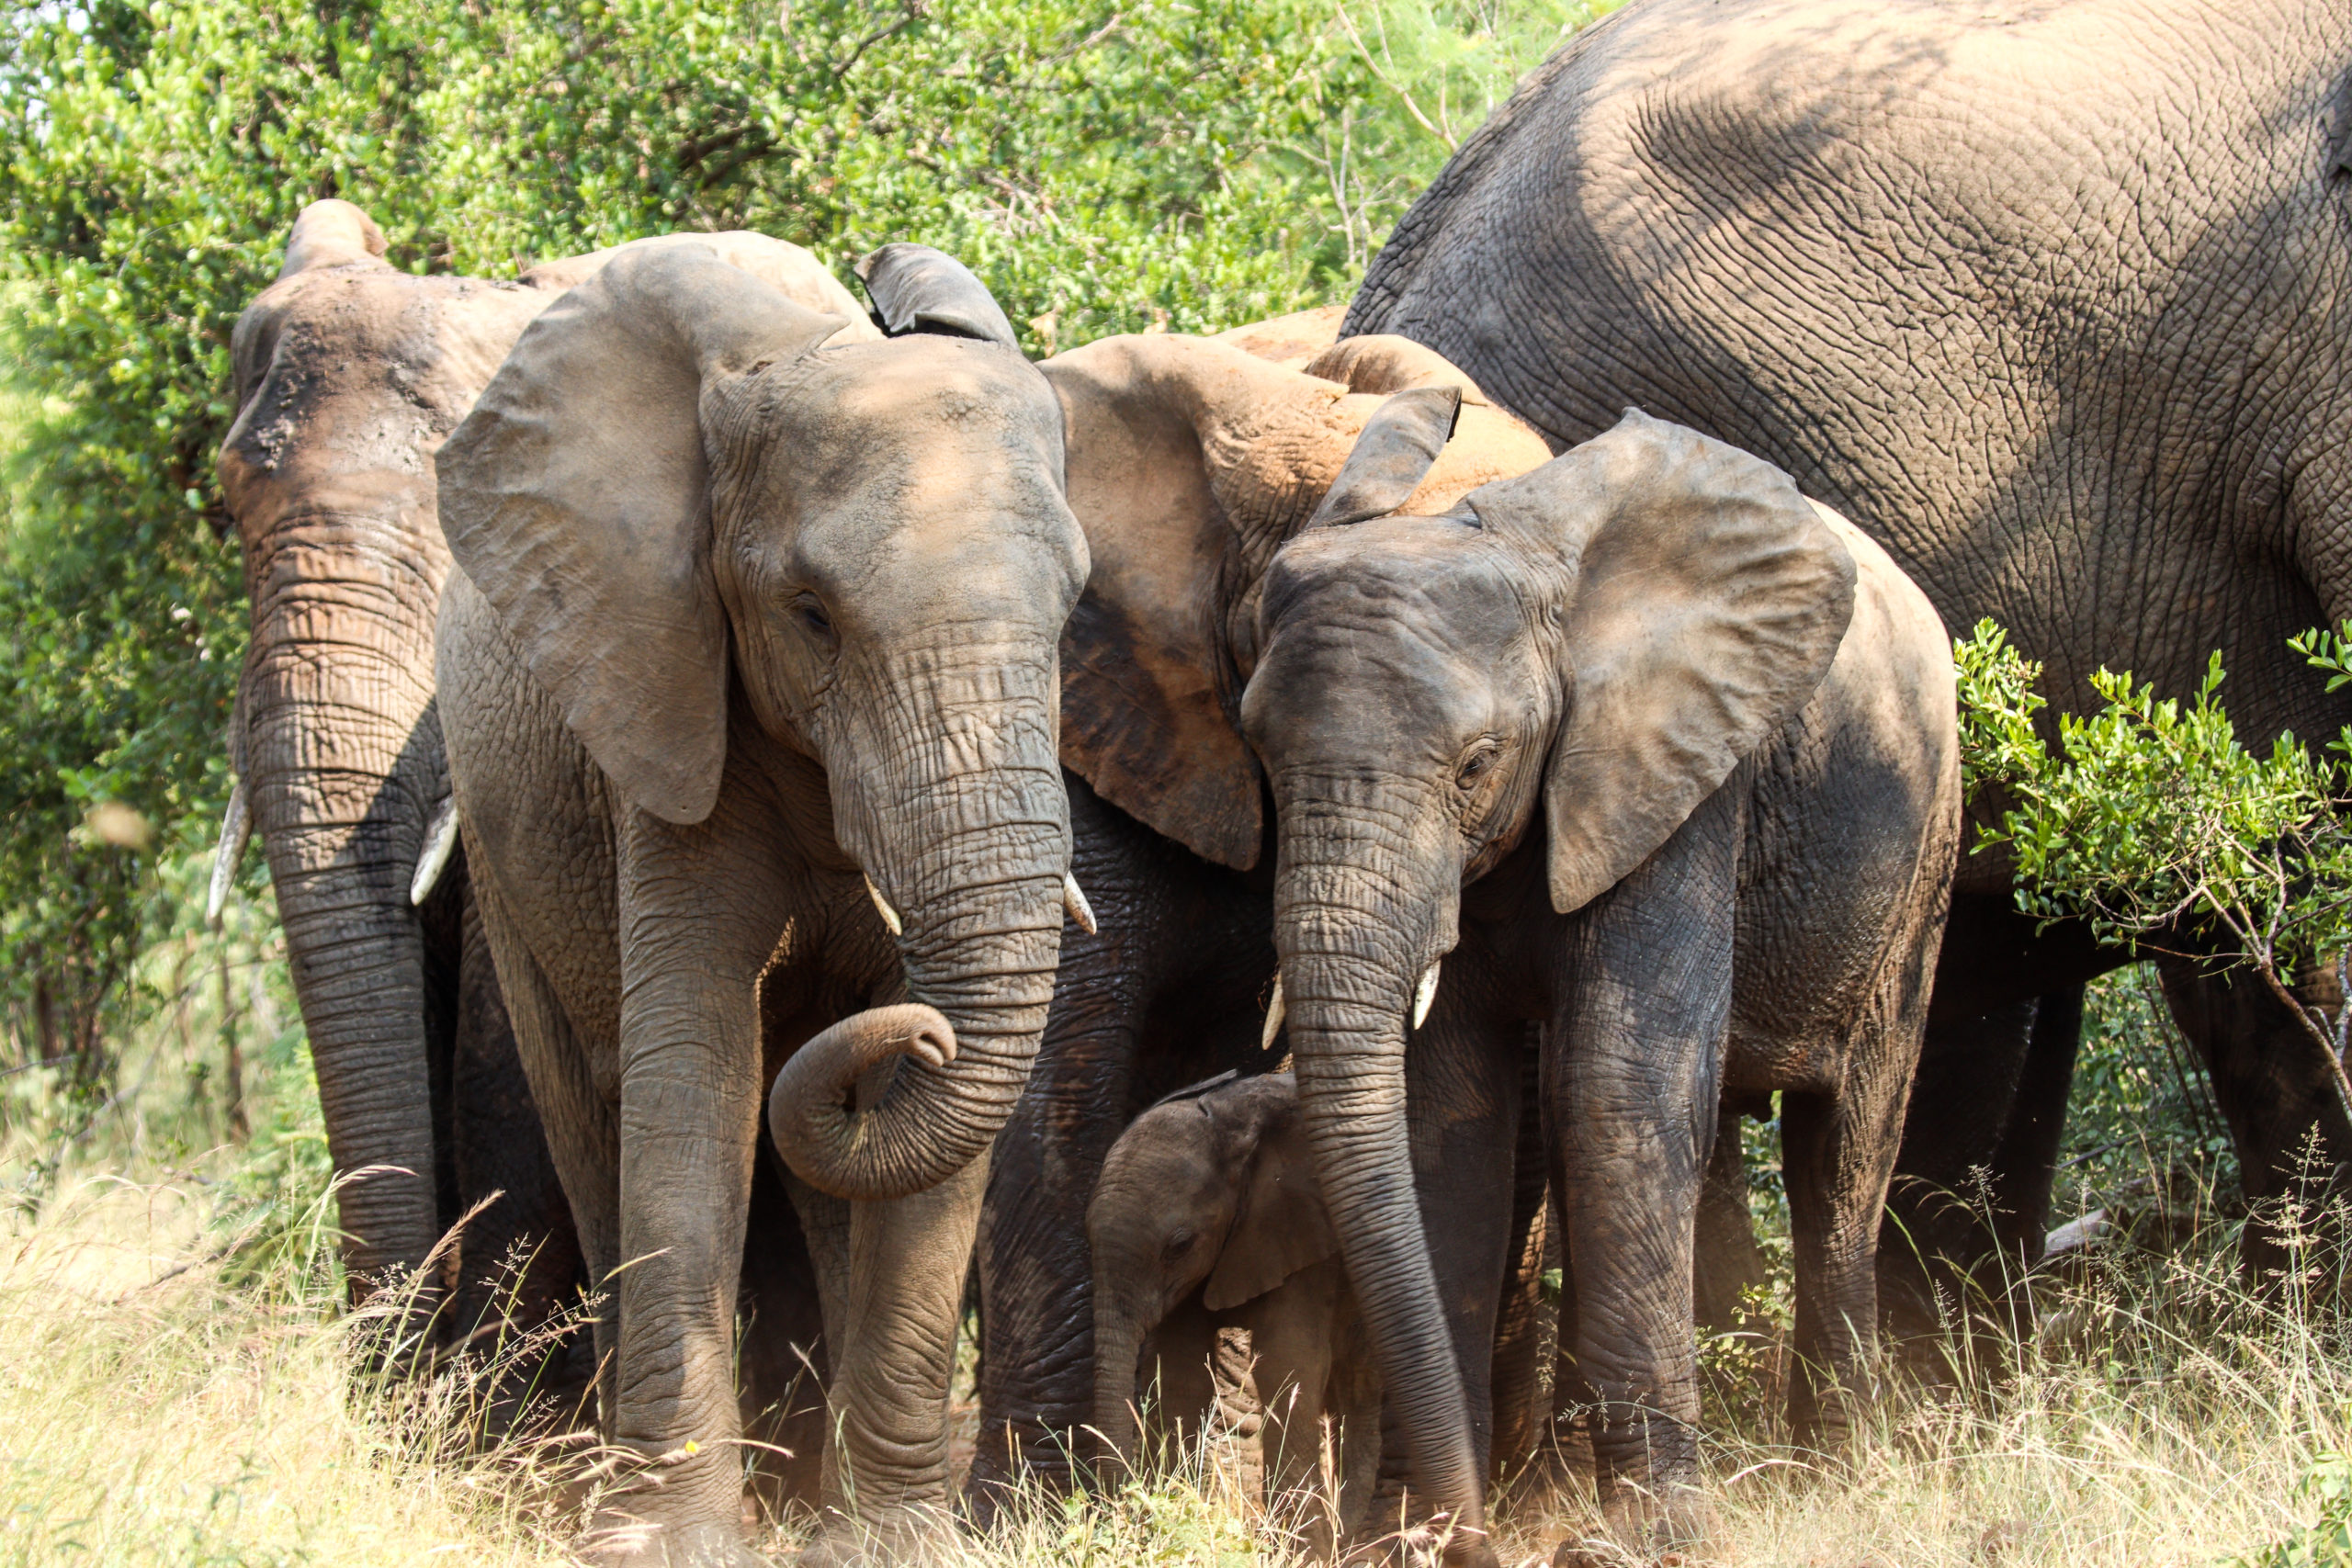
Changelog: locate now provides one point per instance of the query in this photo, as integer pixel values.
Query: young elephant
(1207, 1215)
(1736, 717)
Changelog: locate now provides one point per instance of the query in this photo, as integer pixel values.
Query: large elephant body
(2053, 302)
(349, 373)
(748, 683)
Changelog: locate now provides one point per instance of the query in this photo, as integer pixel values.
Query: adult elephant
(2055, 302)
(1190, 459)
(747, 682)
(350, 372)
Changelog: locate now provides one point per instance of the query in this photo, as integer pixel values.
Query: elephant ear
(576, 496)
(917, 290)
(1709, 599)
(1188, 462)
(1281, 1225)
(1399, 444)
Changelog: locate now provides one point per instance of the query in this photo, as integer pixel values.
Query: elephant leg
(1630, 1069)
(1726, 1262)
(780, 1360)
(1963, 1100)
(522, 1266)
(1176, 1392)
(1293, 1331)
(887, 1402)
(1036, 1273)
(2025, 1166)
(1463, 1080)
(2273, 1086)
(1516, 1382)
(583, 1138)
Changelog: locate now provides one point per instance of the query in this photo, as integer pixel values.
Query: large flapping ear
(1399, 444)
(576, 498)
(332, 233)
(1188, 460)
(918, 290)
(1383, 362)
(1282, 1226)
(1709, 600)
(791, 270)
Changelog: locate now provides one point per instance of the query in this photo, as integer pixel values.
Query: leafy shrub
(1104, 167)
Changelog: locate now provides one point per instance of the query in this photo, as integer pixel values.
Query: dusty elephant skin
(1207, 1215)
(748, 680)
(348, 373)
(1189, 460)
(1736, 717)
(2055, 302)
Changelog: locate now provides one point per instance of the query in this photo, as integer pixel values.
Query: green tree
(1104, 167)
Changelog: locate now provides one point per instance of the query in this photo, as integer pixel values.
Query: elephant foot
(842, 1542)
(1432, 1544)
(1640, 1529)
(620, 1542)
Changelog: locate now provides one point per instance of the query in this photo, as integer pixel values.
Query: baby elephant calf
(1207, 1216)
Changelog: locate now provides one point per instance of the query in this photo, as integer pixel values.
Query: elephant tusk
(882, 907)
(440, 842)
(1273, 1016)
(1425, 994)
(1074, 901)
(236, 833)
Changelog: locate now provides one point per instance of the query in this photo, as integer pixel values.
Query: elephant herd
(805, 824)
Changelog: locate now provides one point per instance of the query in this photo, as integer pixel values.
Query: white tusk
(440, 842)
(236, 833)
(1273, 1016)
(1074, 901)
(1425, 994)
(882, 907)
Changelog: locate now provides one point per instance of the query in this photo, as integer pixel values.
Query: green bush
(1105, 167)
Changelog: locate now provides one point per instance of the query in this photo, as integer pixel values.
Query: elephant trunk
(1119, 1330)
(342, 762)
(964, 829)
(1358, 925)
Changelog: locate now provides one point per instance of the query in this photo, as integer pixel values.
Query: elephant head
(1211, 1192)
(349, 374)
(718, 523)
(1191, 461)
(1609, 635)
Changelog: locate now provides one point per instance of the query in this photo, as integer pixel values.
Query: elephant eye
(1179, 1244)
(812, 614)
(1476, 766)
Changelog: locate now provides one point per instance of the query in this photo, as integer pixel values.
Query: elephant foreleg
(1631, 1072)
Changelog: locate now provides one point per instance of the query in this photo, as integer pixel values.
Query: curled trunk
(963, 825)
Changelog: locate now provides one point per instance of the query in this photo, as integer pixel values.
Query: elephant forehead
(1399, 574)
(925, 387)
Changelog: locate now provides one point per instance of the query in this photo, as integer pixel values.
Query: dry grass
(177, 1387)
(155, 1412)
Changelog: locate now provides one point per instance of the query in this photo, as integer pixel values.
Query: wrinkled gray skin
(1189, 460)
(348, 373)
(1206, 1217)
(1737, 887)
(2053, 302)
(755, 608)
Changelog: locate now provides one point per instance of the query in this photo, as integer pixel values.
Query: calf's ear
(1709, 599)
